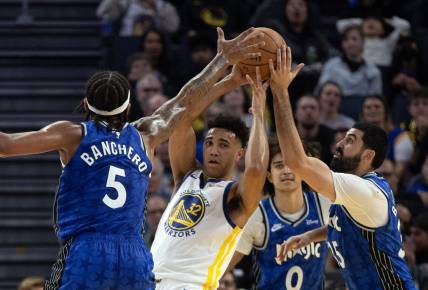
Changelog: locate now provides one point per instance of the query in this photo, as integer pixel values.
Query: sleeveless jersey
(196, 239)
(103, 188)
(369, 258)
(301, 269)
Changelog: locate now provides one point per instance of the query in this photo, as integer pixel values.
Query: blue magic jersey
(301, 269)
(103, 188)
(370, 258)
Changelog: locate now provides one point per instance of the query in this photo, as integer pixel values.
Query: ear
(240, 154)
(269, 177)
(368, 155)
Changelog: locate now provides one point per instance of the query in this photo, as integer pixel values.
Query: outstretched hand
(291, 244)
(283, 75)
(239, 48)
(258, 88)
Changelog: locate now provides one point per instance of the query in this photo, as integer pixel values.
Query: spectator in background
(159, 183)
(139, 65)
(418, 127)
(356, 77)
(146, 88)
(137, 16)
(156, 205)
(32, 283)
(296, 24)
(154, 102)
(387, 169)
(310, 129)
(419, 184)
(205, 15)
(380, 36)
(400, 146)
(154, 45)
(330, 96)
(235, 101)
(419, 235)
(227, 282)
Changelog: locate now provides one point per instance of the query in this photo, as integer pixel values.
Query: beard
(309, 125)
(345, 164)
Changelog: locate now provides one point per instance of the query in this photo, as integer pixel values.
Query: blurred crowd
(364, 60)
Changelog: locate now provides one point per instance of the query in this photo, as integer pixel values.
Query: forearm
(257, 155)
(288, 137)
(318, 234)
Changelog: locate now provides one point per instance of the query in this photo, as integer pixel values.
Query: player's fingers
(250, 82)
(258, 77)
(288, 55)
(271, 67)
(244, 34)
(220, 34)
(265, 85)
(298, 68)
(257, 38)
(278, 59)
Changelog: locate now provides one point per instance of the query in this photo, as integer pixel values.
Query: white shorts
(168, 284)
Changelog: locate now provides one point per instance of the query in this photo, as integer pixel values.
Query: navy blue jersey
(301, 269)
(103, 188)
(370, 258)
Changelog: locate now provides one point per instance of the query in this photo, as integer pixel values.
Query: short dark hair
(374, 138)
(107, 90)
(349, 28)
(320, 88)
(421, 93)
(381, 99)
(421, 221)
(231, 123)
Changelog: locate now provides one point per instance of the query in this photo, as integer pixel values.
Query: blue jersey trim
(85, 131)
(225, 207)
(319, 208)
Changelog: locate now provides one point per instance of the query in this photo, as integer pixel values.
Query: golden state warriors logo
(187, 213)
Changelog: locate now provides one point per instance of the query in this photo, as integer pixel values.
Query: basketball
(273, 40)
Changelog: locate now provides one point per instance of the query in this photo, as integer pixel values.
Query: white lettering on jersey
(333, 222)
(88, 160)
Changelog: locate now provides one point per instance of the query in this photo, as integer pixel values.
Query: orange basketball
(273, 40)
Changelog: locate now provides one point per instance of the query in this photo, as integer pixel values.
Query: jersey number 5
(121, 190)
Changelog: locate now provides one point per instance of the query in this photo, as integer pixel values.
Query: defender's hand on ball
(239, 48)
(282, 76)
(293, 243)
(258, 89)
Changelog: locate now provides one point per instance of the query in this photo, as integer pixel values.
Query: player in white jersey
(201, 226)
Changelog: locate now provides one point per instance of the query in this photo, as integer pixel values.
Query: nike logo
(276, 227)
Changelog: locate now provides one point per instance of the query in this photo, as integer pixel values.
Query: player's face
(282, 178)
(348, 152)
(222, 149)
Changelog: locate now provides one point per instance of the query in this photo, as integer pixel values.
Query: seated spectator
(380, 36)
(154, 102)
(418, 127)
(146, 88)
(310, 129)
(400, 146)
(419, 235)
(206, 15)
(235, 101)
(227, 282)
(136, 16)
(330, 96)
(139, 65)
(32, 283)
(156, 205)
(297, 25)
(419, 184)
(356, 77)
(159, 182)
(387, 169)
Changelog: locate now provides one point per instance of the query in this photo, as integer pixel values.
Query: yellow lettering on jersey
(194, 209)
(214, 270)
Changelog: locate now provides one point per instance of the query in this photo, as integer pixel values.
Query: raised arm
(60, 136)
(182, 143)
(250, 185)
(316, 173)
(193, 98)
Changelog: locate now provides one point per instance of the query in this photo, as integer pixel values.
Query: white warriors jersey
(196, 239)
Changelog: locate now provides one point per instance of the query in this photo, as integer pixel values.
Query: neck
(289, 202)
(362, 171)
(328, 114)
(298, 27)
(308, 133)
(355, 58)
